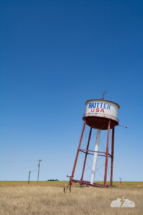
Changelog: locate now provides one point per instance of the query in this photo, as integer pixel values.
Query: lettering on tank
(98, 107)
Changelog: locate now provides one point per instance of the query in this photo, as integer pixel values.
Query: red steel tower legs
(107, 150)
(71, 178)
(86, 155)
(112, 158)
(101, 115)
(87, 151)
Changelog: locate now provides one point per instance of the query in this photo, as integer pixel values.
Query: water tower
(99, 114)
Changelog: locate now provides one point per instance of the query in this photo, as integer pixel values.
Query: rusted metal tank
(99, 111)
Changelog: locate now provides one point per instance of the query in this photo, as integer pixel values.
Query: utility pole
(38, 170)
(120, 180)
(29, 177)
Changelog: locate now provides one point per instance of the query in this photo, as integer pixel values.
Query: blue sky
(54, 56)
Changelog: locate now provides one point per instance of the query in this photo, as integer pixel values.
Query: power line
(34, 170)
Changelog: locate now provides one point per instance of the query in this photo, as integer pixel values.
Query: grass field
(65, 183)
(42, 198)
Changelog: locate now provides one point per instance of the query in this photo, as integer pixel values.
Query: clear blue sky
(54, 56)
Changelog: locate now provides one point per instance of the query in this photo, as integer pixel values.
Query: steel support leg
(107, 149)
(75, 162)
(86, 155)
(112, 158)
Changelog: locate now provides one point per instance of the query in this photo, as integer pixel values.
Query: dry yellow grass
(65, 183)
(42, 200)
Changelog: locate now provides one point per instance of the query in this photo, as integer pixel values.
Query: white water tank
(99, 111)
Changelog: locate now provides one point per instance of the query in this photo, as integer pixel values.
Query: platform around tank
(99, 122)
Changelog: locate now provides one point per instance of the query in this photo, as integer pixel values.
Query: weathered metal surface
(82, 150)
(112, 158)
(99, 122)
(98, 112)
(86, 154)
(107, 149)
(87, 183)
(77, 152)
